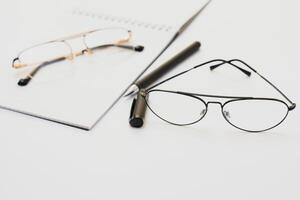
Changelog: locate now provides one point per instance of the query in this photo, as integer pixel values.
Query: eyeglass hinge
(143, 93)
(292, 107)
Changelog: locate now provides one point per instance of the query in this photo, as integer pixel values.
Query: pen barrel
(167, 66)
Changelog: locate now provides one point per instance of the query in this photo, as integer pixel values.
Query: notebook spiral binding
(120, 20)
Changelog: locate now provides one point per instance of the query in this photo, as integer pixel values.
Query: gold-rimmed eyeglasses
(44, 54)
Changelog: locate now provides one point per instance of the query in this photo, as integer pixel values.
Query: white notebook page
(79, 92)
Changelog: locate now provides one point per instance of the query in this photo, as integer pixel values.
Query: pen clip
(132, 108)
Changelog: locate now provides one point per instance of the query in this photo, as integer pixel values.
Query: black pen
(163, 69)
(138, 107)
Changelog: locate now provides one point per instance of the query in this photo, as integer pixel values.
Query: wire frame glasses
(251, 114)
(58, 50)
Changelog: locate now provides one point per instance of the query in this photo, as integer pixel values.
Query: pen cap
(138, 110)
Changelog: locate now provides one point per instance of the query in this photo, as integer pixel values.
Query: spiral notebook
(79, 93)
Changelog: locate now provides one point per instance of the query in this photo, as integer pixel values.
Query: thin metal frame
(17, 63)
(213, 65)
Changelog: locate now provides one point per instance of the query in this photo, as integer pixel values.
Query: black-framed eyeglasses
(45, 54)
(251, 114)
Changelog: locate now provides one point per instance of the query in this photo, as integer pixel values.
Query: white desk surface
(210, 160)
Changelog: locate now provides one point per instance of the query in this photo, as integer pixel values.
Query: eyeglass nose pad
(226, 114)
(203, 112)
(87, 52)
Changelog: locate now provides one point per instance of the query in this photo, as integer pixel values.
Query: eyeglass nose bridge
(226, 114)
(214, 102)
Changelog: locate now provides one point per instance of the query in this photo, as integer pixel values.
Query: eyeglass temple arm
(221, 62)
(293, 105)
(248, 73)
(181, 73)
(138, 48)
(27, 79)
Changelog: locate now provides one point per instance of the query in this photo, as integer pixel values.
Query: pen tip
(133, 89)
